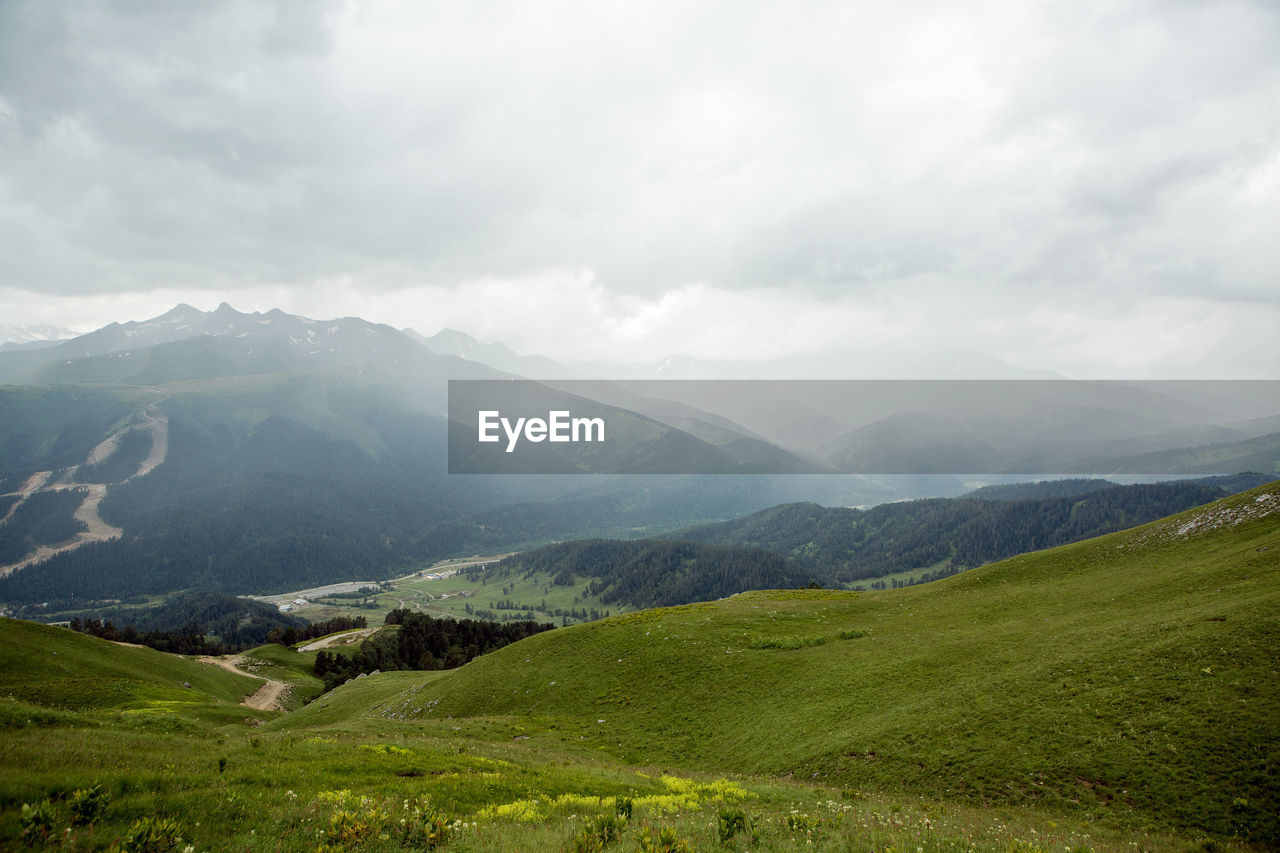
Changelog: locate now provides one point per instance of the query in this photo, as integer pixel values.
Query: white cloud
(625, 180)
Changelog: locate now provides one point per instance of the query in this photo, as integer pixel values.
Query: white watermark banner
(864, 427)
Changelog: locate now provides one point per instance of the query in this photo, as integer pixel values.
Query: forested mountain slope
(942, 535)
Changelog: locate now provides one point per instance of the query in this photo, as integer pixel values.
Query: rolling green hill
(60, 670)
(1131, 678)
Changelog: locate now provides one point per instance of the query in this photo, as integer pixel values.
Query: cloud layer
(1088, 187)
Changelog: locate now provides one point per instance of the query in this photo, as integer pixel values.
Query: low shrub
(37, 822)
(664, 840)
(427, 831)
(732, 823)
(599, 833)
(88, 804)
(151, 835)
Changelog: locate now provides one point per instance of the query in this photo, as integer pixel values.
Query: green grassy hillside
(1131, 677)
(1113, 695)
(50, 676)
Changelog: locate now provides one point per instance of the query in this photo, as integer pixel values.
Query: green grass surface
(1118, 694)
(61, 669)
(1131, 676)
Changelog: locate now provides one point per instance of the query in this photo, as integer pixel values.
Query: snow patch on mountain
(25, 334)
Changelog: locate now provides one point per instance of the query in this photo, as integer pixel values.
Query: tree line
(189, 641)
(225, 623)
(420, 642)
(290, 635)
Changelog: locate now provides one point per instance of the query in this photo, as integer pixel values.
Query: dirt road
(269, 697)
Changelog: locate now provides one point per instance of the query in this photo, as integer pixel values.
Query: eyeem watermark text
(558, 426)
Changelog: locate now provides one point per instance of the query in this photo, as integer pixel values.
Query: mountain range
(14, 336)
(1112, 693)
(258, 451)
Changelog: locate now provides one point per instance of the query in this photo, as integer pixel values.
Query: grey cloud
(1019, 148)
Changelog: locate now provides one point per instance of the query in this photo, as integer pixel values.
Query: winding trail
(96, 530)
(269, 697)
(33, 484)
(159, 426)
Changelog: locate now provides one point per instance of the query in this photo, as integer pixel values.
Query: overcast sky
(1088, 187)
